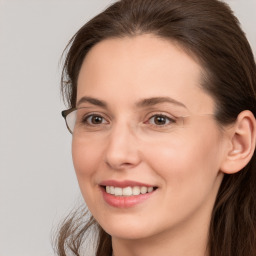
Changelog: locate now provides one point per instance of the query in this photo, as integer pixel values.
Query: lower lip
(125, 201)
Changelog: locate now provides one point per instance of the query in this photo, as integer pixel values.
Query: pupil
(160, 120)
(97, 120)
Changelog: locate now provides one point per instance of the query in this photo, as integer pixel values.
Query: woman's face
(131, 139)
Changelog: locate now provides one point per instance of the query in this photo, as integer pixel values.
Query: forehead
(142, 67)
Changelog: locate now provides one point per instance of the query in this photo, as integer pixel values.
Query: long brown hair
(208, 31)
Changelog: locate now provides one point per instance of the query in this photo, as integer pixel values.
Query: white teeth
(143, 190)
(150, 189)
(128, 191)
(136, 191)
(118, 191)
(112, 190)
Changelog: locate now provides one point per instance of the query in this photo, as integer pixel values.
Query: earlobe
(242, 138)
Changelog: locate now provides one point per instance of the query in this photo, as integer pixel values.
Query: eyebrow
(157, 100)
(92, 101)
(141, 103)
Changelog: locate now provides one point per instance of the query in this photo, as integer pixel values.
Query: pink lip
(124, 201)
(124, 183)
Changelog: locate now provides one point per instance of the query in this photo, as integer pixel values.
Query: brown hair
(208, 30)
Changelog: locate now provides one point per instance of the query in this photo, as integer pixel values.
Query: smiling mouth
(128, 191)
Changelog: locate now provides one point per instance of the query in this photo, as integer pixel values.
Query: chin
(127, 234)
(126, 227)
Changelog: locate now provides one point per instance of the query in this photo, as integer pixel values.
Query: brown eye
(95, 120)
(160, 120)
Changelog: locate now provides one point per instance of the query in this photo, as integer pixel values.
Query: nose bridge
(122, 148)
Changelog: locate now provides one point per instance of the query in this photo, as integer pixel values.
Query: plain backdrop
(37, 182)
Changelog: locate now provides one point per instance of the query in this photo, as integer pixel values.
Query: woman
(162, 106)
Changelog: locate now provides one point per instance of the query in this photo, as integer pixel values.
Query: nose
(122, 151)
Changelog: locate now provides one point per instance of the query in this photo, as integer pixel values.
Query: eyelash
(91, 115)
(167, 118)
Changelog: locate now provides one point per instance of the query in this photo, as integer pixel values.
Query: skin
(183, 161)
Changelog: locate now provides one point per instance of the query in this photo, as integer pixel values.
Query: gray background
(37, 181)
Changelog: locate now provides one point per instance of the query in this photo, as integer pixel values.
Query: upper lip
(124, 183)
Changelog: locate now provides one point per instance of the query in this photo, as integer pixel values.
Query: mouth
(128, 191)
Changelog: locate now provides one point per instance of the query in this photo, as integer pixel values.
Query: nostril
(119, 165)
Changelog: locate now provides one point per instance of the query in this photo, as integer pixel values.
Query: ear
(241, 147)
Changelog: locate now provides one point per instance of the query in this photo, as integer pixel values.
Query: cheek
(190, 175)
(187, 161)
(86, 157)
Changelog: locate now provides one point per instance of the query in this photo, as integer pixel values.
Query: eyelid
(173, 121)
(87, 117)
(159, 113)
(89, 114)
